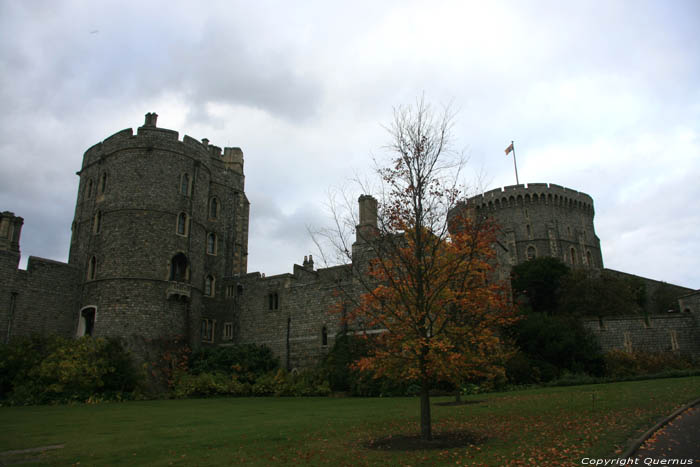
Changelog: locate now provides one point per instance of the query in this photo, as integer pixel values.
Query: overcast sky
(599, 96)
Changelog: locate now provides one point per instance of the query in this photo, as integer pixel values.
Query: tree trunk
(458, 395)
(425, 425)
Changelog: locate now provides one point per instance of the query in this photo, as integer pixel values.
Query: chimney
(151, 119)
(367, 228)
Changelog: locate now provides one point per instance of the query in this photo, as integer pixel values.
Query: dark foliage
(246, 360)
(537, 282)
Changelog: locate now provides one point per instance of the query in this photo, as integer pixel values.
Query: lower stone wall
(41, 300)
(674, 332)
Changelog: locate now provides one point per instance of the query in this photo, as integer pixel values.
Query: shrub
(620, 364)
(248, 361)
(51, 369)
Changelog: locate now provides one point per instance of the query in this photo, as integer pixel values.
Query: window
(208, 330)
(179, 268)
(213, 208)
(182, 224)
(228, 331)
(211, 244)
(88, 189)
(324, 336)
(273, 301)
(209, 284)
(97, 222)
(573, 256)
(185, 184)
(531, 252)
(92, 269)
(529, 231)
(589, 259)
(229, 291)
(86, 322)
(103, 183)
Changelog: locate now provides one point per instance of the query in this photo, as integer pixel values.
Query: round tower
(159, 223)
(541, 219)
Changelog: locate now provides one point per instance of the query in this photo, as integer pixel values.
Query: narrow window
(92, 269)
(209, 286)
(211, 244)
(97, 224)
(179, 268)
(213, 208)
(228, 331)
(273, 301)
(185, 184)
(573, 256)
(324, 336)
(86, 322)
(208, 330)
(529, 232)
(103, 183)
(88, 191)
(182, 224)
(589, 258)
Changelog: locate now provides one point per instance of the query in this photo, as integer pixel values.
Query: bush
(247, 361)
(551, 345)
(210, 384)
(50, 369)
(620, 364)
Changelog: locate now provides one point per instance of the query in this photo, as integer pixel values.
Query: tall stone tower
(540, 219)
(159, 224)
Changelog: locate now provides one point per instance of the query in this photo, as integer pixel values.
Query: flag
(509, 149)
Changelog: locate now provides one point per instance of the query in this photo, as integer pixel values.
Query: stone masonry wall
(676, 332)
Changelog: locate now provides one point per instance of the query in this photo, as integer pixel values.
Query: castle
(159, 249)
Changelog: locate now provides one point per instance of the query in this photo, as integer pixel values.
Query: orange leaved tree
(424, 267)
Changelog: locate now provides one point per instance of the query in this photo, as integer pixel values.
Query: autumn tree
(423, 265)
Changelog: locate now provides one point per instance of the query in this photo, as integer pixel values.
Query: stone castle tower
(159, 225)
(540, 219)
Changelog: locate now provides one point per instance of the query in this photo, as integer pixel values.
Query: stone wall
(674, 332)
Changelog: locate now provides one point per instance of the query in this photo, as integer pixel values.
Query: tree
(537, 281)
(425, 288)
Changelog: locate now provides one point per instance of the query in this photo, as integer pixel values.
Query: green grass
(550, 426)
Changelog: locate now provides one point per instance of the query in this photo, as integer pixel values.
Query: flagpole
(517, 182)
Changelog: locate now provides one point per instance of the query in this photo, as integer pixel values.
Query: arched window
(211, 244)
(86, 322)
(324, 336)
(573, 256)
(185, 184)
(213, 208)
(97, 224)
(92, 269)
(209, 284)
(182, 224)
(589, 259)
(529, 231)
(88, 189)
(179, 268)
(103, 183)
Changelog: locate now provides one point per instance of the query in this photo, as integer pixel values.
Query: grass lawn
(552, 426)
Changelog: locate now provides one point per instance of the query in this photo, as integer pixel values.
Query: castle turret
(540, 219)
(160, 223)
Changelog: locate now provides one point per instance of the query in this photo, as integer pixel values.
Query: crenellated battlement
(533, 193)
(150, 137)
